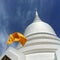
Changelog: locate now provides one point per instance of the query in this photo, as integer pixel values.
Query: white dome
(38, 26)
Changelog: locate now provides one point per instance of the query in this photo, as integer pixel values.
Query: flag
(17, 37)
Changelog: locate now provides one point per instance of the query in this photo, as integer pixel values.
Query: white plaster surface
(13, 54)
(40, 56)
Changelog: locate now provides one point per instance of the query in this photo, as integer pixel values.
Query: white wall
(40, 56)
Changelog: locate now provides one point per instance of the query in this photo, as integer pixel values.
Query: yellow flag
(17, 37)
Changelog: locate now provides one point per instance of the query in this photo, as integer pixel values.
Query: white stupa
(42, 41)
(42, 44)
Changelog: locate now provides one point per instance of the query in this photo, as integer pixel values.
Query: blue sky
(16, 15)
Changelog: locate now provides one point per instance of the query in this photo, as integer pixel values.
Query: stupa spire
(37, 18)
(36, 13)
